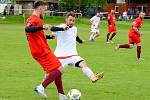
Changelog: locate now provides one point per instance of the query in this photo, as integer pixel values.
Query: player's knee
(98, 34)
(138, 44)
(82, 64)
(61, 69)
(130, 46)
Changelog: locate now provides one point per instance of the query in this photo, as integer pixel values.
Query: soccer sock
(51, 77)
(112, 36)
(107, 37)
(58, 83)
(138, 51)
(88, 72)
(91, 37)
(124, 46)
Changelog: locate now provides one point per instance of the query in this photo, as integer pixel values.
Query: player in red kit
(41, 52)
(134, 36)
(111, 27)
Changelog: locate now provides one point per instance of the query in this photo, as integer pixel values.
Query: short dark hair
(70, 14)
(38, 3)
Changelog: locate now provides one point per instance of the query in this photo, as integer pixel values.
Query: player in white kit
(95, 20)
(66, 48)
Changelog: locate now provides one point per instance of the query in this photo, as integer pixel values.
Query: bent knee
(61, 69)
(131, 46)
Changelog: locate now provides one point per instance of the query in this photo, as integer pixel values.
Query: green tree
(78, 4)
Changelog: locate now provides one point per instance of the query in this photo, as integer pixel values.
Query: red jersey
(37, 41)
(111, 18)
(137, 23)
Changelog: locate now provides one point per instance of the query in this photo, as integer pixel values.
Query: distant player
(111, 27)
(95, 21)
(41, 52)
(66, 48)
(134, 36)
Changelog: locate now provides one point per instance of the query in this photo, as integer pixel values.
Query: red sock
(58, 83)
(124, 46)
(138, 51)
(51, 77)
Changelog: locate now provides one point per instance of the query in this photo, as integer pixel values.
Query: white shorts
(94, 30)
(70, 61)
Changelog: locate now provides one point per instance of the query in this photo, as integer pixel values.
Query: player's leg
(50, 77)
(139, 47)
(97, 34)
(139, 51)
(127, 46)
(108, 34)
(54, 70)
(113, 29)
(107, 38)
(112, 36)
(91, 39)
(88, 72)
(59, 85)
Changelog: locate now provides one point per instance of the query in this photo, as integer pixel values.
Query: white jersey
(95, 21)
(66, 42)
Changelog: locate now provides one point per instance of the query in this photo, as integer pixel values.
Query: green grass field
(125, 77)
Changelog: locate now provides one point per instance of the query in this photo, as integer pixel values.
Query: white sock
(91, 37)
(88, 72)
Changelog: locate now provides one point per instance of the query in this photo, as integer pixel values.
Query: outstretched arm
(79, 40)
(50, 36)
(33, 29)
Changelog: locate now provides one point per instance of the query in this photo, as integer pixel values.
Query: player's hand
(47, 26)
(66, 28)
(83, 41)
(140, 33)
(52, 36)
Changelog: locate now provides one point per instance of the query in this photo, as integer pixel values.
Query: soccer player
(134, 36)
(66, 50)
(95, 20)
(111, 27)
(41, 52)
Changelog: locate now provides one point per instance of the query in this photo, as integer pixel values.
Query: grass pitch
(125, 77)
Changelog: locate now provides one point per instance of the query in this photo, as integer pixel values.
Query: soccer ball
(74, 94)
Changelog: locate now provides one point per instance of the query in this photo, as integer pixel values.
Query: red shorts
(134, 38)
(49, 62)
(111, 29)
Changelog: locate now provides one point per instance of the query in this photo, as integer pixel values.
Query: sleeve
(57, 29)
(108, 18)
(50, 37)
(30, 22)
(79, 40)
(135, 24)
(32, 27)
(92, 19)
(55, 33)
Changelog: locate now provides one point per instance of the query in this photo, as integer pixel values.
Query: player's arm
(50, 36)
(136, 29)
(91, 20)
(79, 40)
(109, 23)
(54, 28)
(33, 29)
(135, 25)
